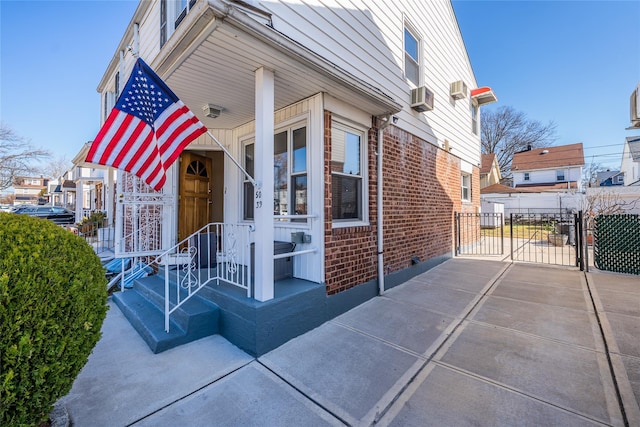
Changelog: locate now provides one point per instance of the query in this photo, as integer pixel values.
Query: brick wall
(421, 194)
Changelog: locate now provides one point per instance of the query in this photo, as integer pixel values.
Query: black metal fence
(479, 234)
(549, 238)
(541, 237)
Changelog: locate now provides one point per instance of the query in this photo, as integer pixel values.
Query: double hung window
(348, 166)
(466, 187)
(411, 56)
(172, 12)
(289, 173)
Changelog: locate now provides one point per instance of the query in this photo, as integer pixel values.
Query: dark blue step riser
(197, 320)
(192, 314)
(145, 322)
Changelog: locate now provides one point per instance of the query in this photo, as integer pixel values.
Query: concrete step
(143, 305)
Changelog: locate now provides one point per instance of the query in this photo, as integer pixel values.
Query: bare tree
(57, 167)
(590, 174)
(17, 157)
(609, 203)
(506, 131)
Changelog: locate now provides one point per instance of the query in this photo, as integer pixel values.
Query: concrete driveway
(469, 342)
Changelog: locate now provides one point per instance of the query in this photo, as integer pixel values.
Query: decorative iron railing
(215, 252)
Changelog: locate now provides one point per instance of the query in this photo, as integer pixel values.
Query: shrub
(52, 305)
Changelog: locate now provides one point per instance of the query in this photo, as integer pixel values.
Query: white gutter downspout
(384, 122)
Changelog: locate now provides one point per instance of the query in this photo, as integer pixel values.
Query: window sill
(348, 224)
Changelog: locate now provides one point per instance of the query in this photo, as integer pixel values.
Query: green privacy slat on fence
(617, 243)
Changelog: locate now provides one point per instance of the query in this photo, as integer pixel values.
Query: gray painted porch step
(143, 306)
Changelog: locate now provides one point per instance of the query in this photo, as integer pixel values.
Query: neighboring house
(91, 185)
(530, 200)
(30, 190)
(609, 178)
(630, 165)
(489, 170)
(555, 169)
(543, 179)
(359, 124)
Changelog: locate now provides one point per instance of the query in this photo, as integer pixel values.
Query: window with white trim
(172, 12)
(559, 175)
(474, 118)
(465, 184)
(348, 174)
(526, 176)
(411, 56)
(289, 173)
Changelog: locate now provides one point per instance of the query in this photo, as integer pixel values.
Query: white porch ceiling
(219, 68)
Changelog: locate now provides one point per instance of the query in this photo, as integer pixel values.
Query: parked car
(58, 215)
(6, 208)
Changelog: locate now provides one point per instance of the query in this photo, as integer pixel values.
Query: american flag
(147, 129)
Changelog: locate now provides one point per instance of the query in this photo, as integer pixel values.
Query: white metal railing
(145, 240)
(217, 251)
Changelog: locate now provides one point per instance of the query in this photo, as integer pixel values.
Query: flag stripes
(147, 129)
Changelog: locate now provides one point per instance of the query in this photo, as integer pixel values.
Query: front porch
(256, 327)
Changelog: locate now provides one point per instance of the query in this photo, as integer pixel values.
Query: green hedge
(52, 304)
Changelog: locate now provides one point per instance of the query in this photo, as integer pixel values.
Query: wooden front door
(194, 211)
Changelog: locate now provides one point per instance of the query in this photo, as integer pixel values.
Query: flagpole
(249, 177)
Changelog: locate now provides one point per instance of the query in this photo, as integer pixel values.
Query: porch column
(79, 200)
(107, 195)
(263, 192)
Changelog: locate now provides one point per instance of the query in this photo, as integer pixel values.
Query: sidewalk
(470, 342)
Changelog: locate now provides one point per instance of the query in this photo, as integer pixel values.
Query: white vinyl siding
(367, 40)
(540, 176)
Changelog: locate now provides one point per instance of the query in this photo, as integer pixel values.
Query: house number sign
(258, 199)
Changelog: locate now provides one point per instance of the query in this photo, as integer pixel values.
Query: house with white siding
(551, 169)
(342, 139)
(630, 165)
(543, 179)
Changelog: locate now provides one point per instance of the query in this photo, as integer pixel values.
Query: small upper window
(465, 183)
(474, 118)
(172, 12)
(559, 175)
(526, 176)
(411, 57)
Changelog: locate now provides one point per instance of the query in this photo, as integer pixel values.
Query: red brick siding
(421, 194)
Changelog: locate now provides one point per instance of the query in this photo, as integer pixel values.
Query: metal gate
(140, 215)
(479, 234)
(540, 237)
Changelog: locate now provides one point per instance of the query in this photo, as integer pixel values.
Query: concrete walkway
(470, 342)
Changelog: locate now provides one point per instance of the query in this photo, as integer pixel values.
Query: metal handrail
(215, 252)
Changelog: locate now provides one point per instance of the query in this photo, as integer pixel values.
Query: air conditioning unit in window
(421, 99)
(635, 108)
(458, 90)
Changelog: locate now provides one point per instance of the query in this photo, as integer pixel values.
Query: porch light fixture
(212, 111)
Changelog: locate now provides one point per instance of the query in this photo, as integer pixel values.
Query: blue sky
(573, 62)
(52, 57)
